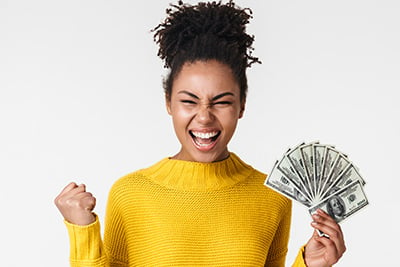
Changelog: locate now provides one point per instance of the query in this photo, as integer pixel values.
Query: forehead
(205, 78)
(334, 201)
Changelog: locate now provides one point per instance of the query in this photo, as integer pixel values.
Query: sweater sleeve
(86, 246)
(299, 261)
(115, 241)
(278, 248)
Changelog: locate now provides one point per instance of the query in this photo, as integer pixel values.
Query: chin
(210, 157)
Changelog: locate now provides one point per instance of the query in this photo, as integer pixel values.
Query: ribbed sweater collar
(198, 176)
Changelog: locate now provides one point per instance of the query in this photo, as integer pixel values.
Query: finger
(81, 188)
(65, 192)
(334, 232)
(71, 190)
(83, 195)
(315, 233)
(75, 191)
(332, 229)
(69, 187)
(88, 202)
(329, 233)
(335, 249)
(324, 219)
(332, 252)
(73, 199)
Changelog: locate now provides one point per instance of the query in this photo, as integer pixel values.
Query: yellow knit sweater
(180, 213)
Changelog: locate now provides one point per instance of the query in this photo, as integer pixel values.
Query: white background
(81, 99)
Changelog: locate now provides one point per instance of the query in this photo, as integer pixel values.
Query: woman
(204, 206)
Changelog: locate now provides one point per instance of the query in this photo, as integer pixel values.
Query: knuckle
(69, 202)
(91, 201)
(59, 201)
(335, 234)
(72, 184)
(81, 205)
(331, 243)
(56, 201)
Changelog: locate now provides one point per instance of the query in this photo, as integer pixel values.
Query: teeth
(204, 135)
(202, 145)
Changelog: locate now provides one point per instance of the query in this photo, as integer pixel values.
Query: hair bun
(212, 24)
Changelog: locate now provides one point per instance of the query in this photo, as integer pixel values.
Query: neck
(199, 176)
(203, 158)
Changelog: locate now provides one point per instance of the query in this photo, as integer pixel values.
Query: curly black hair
(203, 32)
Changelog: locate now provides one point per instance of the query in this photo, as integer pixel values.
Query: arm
(278, 248)
(86, 246)
(115, 229)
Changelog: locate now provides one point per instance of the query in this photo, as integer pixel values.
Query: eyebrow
(213, 99)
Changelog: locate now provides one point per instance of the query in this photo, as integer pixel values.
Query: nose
(204, 114)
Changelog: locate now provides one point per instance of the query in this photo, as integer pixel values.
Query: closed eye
(223, 103)
(188, 102)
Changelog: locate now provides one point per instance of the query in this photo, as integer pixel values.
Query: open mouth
(205, 140)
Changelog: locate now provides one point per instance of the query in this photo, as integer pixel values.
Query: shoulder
(267, 196)
(268, 202)
(127, 180)
(131, 182)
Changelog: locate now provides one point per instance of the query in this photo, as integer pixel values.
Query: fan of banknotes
(319, 176)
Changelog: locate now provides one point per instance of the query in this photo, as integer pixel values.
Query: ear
(168, 104)
(242, 108)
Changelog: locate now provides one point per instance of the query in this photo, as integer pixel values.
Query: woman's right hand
(76, 205)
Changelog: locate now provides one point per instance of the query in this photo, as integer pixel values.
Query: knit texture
(180, 213)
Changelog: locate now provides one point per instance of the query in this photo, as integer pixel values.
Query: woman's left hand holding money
(321, 251)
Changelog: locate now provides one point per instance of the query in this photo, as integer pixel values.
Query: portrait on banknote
(336, 208)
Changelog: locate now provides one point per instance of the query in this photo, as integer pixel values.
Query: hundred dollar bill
(319, 159)
(307, 152)
(286, 167)
(296, 158)
(330, 156)
(339, 166)
(349, 175)
(278, 181)
(343, 203)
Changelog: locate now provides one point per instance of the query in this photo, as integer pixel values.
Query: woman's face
(205, 107)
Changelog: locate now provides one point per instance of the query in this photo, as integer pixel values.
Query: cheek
(229, 120)
(181, 116)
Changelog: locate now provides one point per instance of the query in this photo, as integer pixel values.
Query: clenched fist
(76, 205)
